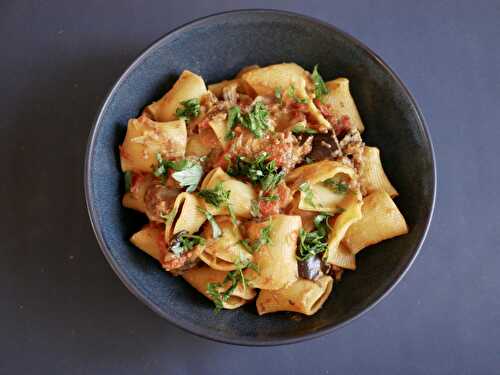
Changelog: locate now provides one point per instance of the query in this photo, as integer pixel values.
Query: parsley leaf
(258, 171)
(230, 209)
(183, 242)
(189, 177)
(188, 173)
(291, 94)
(219, 196)
(309, 195)
(320, 88)
(234, 277)
(278, 95)
(264, 239)
(314, 242)
(190, 110)
(336, 185)
(128, 180)
(256, 120)
(216, 196)
(254, 208)
(301, 127)
(216, 231)
(233, 118)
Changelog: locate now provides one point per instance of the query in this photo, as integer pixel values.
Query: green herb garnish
(269, 198)
(314, 242)
(233, 117)
(232, 277)
(320, 88)
(190, 110)
(309, 195)
(216, 231)
(291, 94)
(258, 171)
(302, 128)
(264, 239)
(216, 196)
(219, 196)
(256, 120)
(278, 95)
(188, 173)
(336, 185)
(254, 208)
(127, 176)
(184, 242)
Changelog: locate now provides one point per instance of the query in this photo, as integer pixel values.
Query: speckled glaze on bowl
(216, 47)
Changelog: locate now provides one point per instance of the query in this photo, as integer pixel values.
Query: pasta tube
(341, 102)
(146, 138)
(303, 296)
(150, 240)
(200, 277)
(188, 86)
(240, 197)
(275, 260)
(225, 252)
(381, 220)
(184, 216)
(372, 176)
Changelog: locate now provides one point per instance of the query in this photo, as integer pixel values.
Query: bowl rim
(207, 333)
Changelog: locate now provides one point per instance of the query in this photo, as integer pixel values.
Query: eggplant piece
(310, 268)
(324, 146)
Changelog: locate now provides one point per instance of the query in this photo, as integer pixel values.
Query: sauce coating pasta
(257, 186)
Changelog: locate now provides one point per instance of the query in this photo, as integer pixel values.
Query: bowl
(217, 47)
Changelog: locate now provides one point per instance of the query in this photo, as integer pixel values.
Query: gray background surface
(64, 311)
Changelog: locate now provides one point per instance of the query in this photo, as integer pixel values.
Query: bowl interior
(217, 47)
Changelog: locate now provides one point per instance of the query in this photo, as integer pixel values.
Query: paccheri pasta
(259, 186)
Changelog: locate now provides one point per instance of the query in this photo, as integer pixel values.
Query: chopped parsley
(336, 185)
(219, 196)
(190, 110)
(128, 180)
(258, 171)
(256, 120)
(254, 208)
(269, 198)
(233, 117)
(291, 94)
(216, 231)
(309, 195)
(320, 88)
(314, 242)
(219, 297)
(216, 196)
(187, 173)
(302, 128)
(189, 177)
(183, 242)
(278, 95)
(264, 239)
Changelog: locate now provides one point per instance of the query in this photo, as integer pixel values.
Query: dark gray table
(64, 311)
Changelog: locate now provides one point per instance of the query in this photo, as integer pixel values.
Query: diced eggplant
(310, 268)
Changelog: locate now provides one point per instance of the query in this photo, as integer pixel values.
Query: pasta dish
(257, 188)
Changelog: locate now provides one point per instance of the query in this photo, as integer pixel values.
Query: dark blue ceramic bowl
(217, 47)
